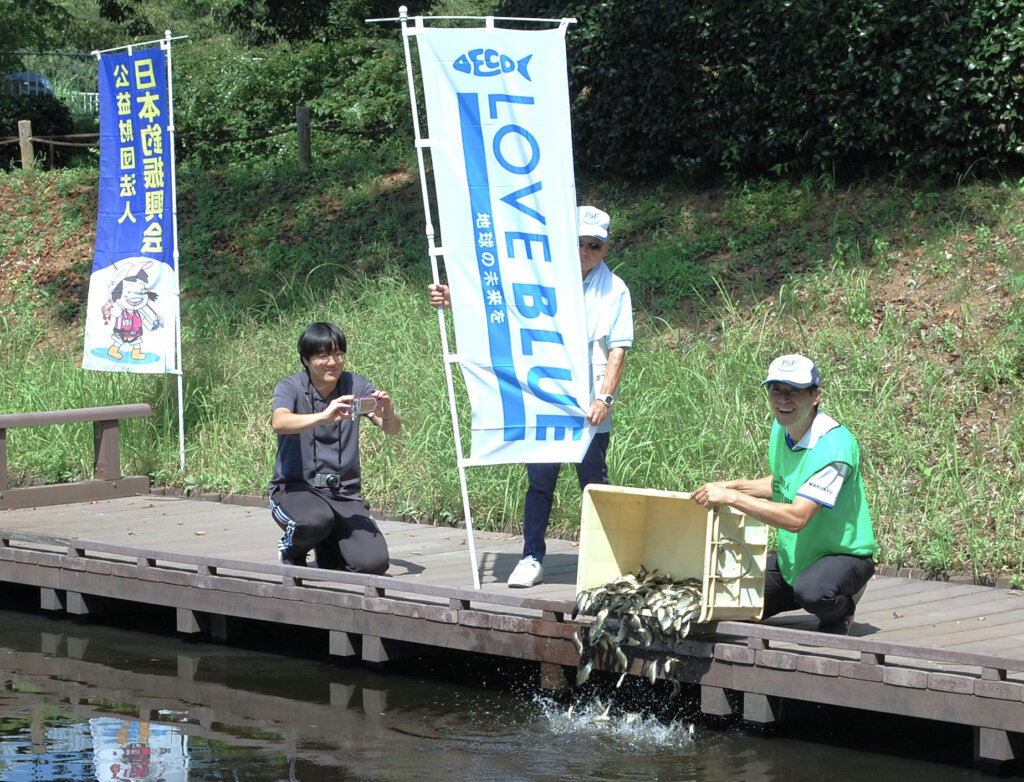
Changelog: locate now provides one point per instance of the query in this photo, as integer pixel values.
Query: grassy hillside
(910, 297)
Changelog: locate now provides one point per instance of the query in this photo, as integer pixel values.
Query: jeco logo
(489, 62)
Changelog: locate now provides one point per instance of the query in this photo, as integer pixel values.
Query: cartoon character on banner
(132, 296)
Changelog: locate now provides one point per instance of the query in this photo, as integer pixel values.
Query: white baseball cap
(793, 370)
(593, 222)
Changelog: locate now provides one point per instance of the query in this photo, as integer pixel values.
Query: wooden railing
(107, 479)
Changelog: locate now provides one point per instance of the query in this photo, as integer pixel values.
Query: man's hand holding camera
(377, 407)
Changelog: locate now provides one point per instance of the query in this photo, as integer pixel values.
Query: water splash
(594, 718)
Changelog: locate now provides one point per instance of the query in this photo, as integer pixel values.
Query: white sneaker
(527, 573)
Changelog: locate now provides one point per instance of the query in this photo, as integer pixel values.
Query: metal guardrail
(70, 76)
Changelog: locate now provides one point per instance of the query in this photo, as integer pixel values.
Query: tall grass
(921, 359)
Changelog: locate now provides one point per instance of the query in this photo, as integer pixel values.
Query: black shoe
(328, 556)
(289, 557)
(840, 626)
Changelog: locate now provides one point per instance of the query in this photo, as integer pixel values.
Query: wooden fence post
(302, 126)
(25, 140)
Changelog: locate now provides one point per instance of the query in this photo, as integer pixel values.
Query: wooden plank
(963, 631)
(951, 607)
(872, 644)
(429, 586)
(915, 593)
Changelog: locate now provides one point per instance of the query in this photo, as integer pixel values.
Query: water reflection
(97, 703)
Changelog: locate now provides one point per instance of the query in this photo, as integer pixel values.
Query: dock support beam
(761, 712)
(993, 749)
(83, 605)
(714, 702)
(374, 650)
(187, 621)
(341, 644)
(75, 603)
(377, 650)
(552, 677)
(50, 599)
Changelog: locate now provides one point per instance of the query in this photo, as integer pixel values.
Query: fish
(491, 62)
(583, 672)
(620, 656)
(652, 671)
(577, 641)
(634, 610)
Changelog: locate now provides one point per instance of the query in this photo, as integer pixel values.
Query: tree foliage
(266, 21)
(127, 14)
(27, 24)
(774, 84)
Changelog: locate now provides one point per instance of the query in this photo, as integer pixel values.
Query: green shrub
(48, 115)
(235, 104)
(840, 85)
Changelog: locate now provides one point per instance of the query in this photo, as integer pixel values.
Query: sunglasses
(592, 245)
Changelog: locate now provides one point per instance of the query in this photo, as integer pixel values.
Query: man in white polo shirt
(814, 496)
(609, 315)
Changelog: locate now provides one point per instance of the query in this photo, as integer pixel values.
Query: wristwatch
(608, 399)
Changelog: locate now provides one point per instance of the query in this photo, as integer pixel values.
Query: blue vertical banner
(132, 319)
(500, 141)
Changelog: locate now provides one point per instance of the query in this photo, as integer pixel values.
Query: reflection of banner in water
(498, 108)
(131, 749)
(132, 316)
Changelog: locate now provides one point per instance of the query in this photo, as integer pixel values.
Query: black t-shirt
(333, 448)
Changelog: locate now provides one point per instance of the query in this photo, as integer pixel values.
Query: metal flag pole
(129, 46)
(434, 251)
(179, 371)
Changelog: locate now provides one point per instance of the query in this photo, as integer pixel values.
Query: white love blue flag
(497, 105)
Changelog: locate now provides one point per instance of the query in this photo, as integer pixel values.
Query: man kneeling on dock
(814, 496)
(314, 495)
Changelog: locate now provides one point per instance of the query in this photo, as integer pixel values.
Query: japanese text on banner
(132, 316)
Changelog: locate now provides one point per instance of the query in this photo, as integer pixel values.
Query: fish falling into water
(635, 610)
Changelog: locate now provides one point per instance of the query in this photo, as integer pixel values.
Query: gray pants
(825, 589)
(341, 530)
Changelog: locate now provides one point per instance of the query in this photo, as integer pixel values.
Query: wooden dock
(947, 652)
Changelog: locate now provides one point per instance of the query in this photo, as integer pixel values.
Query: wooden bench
(107, 480)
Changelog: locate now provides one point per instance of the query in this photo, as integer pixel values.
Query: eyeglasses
(323, 358)
(595, 246)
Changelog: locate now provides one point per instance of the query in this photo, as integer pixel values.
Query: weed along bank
(920, 649)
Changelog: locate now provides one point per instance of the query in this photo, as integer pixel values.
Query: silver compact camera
(362, 405)
(327, 480)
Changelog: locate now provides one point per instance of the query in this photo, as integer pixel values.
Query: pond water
(88, 702)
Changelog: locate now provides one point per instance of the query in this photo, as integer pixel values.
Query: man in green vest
(814, 497)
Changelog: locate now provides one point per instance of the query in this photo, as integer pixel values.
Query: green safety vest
(843, 529)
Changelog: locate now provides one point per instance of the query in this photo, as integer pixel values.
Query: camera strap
(312, 408)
